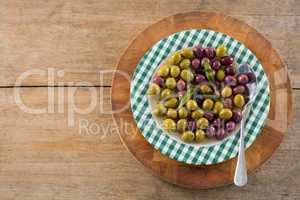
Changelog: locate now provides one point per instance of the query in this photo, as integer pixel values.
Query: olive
(217, 123)
(251, 77)
(169, 125)
(199, 135)
(226, 92)
(185, 63)
(220, 134)
(242, 79)
(181, 93)
(221, 51)
(199, 51)
(187, 53)
(225, 113)
(220, 75)
(191, 105)
(175, 59)
(240, 89)
(183, 112)
(218, 107)
(166, 93)
(230, 80)
(210, 52)
(227, 103)
(210, 116)
(230, 70)
(204, 61)
(195, 63)
(158, 80)
(230, 126)
(216, 65)
(160, 110)
(239, 100)
(171, 103)
(197, 114)
(227, 60)
(163, 71)
(237, 115)
(187, 136)
(181, 125)
(171, 83)
(202, 123)
(199, 78)
(187, 75)
(172, 113)
(208, 104)
(154, 89)
(192, 126)
(210, 131)
(181, 85)
(205, 89)
(174, 71)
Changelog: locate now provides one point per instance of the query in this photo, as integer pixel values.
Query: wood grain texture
(280, 114)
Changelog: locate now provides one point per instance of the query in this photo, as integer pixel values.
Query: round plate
(168, 144)
(202, 176)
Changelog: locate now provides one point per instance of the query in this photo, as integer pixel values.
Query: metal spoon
(240, 176)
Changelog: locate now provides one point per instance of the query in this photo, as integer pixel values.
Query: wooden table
(45, 156)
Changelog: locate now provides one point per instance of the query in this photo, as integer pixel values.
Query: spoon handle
(240, 176)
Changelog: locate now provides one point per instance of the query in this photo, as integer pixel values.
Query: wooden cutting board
(203, 176)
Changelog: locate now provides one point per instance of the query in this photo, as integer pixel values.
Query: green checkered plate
(168, 144)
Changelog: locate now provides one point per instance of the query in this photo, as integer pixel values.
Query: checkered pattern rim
(166, 143)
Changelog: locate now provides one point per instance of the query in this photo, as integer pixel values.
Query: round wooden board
(203, 176)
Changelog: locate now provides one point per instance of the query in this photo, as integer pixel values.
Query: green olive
(165, 93)
(226, 92)
(181, 125)
(187, 53)
(174, 71)
(225, 113)
(175, 58)
(187, 75)
(208, 104)
(163, 71)
(172, 113)
(171, 83)
(199, 136)
(187, 136)
(220, 75)
(191, 105)
(197, 114)
(154, 89)
(185, 63)
(239, 100)
(202, 123)
(171, 103)
(205, 89)
(221, 51)
(218, 107)
(183, 112)
(169, 125)
(160, 110)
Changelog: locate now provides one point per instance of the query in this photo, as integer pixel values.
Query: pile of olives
(198, 93)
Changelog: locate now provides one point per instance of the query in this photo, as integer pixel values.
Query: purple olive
(216, 65)
(196, 63)
(227, 60)
(227, 103)
(181, 85)
(217, 123)
(230, 126)
(210, 116)
(237, 115)
(210, 131)
(240, 89)
(192, 126)
(199, 51)
(210, 52)
(199, 99)
(204, 60)
(220, 134)
(242, 79)
(251, 77)
(230, 80)
(158, 80)
(229, 70)
(199, 78)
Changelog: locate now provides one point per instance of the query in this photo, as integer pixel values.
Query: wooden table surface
(45, 156)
